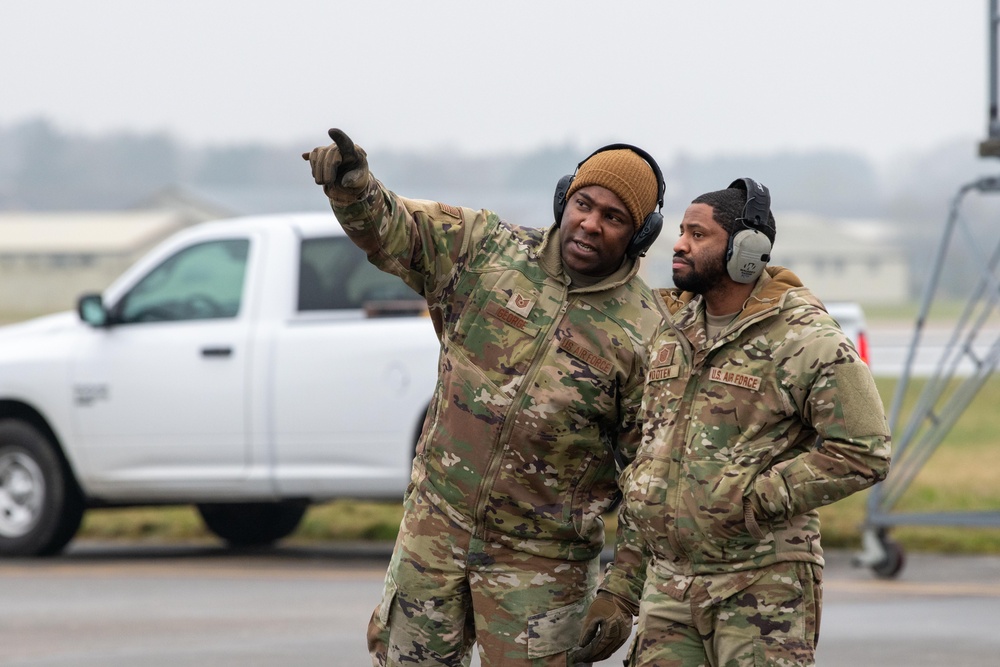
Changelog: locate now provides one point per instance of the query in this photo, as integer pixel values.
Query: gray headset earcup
(750, 253)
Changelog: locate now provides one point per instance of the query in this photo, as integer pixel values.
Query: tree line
(43, 167)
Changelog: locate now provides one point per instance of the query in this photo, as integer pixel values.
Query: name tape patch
(664, 373)
(509, 317)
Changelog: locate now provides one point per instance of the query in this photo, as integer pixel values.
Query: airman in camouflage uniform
(757, 410)
(542, 364)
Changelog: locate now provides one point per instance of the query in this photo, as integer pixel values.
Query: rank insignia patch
(520, 304)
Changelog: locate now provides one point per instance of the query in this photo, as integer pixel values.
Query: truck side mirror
(91, 309)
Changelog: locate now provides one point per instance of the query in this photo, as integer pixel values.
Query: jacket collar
(773, 287)
(776, 289)
(550, 258)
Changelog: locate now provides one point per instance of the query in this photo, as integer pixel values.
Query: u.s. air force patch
(751, 382)
(583, 354)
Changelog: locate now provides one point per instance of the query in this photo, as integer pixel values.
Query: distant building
(843, 259)
(47, 259)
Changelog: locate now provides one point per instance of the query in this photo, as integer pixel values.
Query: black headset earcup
(645, 235)
(748, 252)
(559, 200)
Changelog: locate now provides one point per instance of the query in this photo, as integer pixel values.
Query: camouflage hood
(550, 257)
(775, 288)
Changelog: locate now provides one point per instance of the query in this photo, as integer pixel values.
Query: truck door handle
(216, 351)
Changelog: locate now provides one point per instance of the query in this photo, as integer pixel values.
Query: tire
(252, 524)
(894, 561)
(40, 504)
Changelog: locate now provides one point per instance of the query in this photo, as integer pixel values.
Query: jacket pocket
(557, 630)
(713, 525)
(645, 485)
(378, 626)
(388, 598)
(499, 342)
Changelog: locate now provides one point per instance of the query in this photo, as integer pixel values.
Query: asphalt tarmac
(127, 605)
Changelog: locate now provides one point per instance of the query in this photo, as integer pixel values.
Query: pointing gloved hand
(606, 627)
(341, 168)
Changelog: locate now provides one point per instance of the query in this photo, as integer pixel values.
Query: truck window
(334, 274)
(203, 281)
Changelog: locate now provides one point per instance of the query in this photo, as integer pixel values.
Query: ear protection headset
(749, 249)
(651, 226)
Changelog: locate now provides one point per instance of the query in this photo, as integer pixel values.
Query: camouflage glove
(341, 168)
(606, 627)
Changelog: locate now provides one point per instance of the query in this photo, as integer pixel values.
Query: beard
(700, 281)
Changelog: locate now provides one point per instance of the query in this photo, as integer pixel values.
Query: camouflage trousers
(773, 621)
(445, 590)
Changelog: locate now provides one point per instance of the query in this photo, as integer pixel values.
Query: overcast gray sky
(882, 77)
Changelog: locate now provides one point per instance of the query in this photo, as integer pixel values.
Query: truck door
(160, 393)
(350, 391)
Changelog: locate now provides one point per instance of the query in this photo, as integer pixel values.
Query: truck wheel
(894, 561)
(252, 524)
(40, 505)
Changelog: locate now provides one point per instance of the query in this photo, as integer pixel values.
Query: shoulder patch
(863, 413)
(450, 210)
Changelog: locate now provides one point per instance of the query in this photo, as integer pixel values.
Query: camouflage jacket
(746, 435)
(539, 384)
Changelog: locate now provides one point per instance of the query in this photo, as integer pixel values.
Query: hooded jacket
(539, 383)
(747, 434)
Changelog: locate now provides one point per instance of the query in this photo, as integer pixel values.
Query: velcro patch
(664, 355)
(448, 209)
(509, 317)
(520, 304)
(583, 354)
(744, 380)
(858, 393)
(663, 373)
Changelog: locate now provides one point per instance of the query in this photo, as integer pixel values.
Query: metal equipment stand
(966, 363)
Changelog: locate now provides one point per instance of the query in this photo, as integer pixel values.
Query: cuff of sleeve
(625, 589)
(340, 198)
(770, 494)
(630, 607)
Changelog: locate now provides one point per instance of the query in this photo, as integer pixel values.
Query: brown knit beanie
(624, 173)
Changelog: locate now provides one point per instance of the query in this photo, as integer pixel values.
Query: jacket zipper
(482, 494)
(671, 510)
(690, 389)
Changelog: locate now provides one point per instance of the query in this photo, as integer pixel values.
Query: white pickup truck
(249, 366)
(851, 318)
